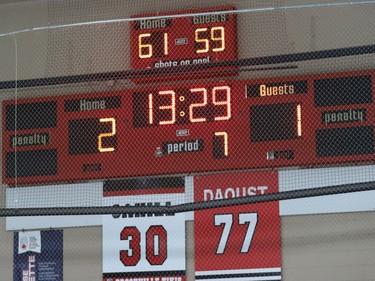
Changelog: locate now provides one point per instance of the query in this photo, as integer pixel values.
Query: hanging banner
(29, 241)
(38, 256)
(144, 247)
(237, 242)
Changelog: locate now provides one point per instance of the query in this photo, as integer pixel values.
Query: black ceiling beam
(198, 68)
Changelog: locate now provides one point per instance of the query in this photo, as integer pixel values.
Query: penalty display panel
(310, 120)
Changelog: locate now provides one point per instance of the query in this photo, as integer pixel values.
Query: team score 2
(156, 245)
(111, 133)
(251, 219)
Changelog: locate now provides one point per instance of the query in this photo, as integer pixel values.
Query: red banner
(240, 241)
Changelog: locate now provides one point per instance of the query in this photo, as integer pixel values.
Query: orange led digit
(150, 109)
(299, 120)
(144, 47)
(220, 38)
(226, 102)
(171, 107)
(165, 43)
(195, 105)
(202, 40)
(225, 138)
(110, 134)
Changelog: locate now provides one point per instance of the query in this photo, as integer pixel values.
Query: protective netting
(160, 140)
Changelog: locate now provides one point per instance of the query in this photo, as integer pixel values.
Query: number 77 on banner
(239, 241)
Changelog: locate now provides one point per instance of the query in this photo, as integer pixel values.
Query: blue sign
(38, 256)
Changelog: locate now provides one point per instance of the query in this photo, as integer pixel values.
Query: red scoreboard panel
(245, 124)
(183, 38)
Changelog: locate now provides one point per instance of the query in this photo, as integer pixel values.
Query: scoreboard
(189, 127)
(303, 121)
(184, 38)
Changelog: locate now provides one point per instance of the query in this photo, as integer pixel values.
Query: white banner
(29, 241)
(144, 244)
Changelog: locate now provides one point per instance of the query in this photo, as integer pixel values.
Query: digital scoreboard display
(183, 38)
(295, 121)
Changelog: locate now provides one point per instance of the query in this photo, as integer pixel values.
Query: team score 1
(156, 245)
(251, 219)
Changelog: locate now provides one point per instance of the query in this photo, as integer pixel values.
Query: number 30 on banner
(156, 245)
(143, 244)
